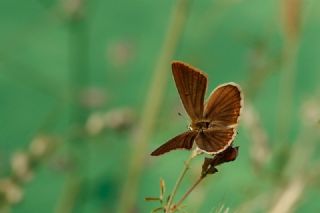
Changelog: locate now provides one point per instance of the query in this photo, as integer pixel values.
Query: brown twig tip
(209, 164)
(162, 189)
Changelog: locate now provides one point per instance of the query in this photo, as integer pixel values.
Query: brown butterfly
(213, 124)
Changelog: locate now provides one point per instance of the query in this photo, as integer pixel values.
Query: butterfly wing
(215, 140)
(224, 105)
(182, 141)
(191, 84)
(223, 110)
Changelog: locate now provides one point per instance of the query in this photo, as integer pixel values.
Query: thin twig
(179, 180)
(289, 196)
(188, 192)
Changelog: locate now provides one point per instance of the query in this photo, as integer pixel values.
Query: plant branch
(188, 192)
(179, 180)
(79, 79)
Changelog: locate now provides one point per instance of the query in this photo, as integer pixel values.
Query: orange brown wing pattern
(182, 141)
(213, 141)
(191, 84)
(224, 105)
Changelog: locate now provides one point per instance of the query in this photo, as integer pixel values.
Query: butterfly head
(199, 125)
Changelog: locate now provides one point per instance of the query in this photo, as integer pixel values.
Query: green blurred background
(86, 94)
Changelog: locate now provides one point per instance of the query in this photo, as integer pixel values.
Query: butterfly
(214, 122)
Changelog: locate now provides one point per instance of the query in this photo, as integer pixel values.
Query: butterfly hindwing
(215, 140)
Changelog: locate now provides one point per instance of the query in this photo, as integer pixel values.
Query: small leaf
(158, 209)
(168, 198)
(151, 199)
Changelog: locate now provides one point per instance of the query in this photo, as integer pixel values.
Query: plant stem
(292, 17)
(79, 79)
(188, 192)
(152, 106)
(175, 188)
(286, 90)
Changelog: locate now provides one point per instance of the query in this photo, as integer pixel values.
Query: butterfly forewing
(214, 141)
(182, 141)
(191, 84)
(224, 105)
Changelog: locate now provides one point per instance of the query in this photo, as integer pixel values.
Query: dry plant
(25, 163)
(23, 166)
(297, 171)
(208, 167)
(83, 122)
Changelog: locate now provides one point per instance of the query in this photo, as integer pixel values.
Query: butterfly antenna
(185, 118)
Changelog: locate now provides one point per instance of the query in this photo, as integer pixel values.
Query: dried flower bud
(95, 124)
(93, 97)
(73, 8)
(119, 53)
(207, 168)
(310, 112)
(11, 191)
(40, 146)
(116, 119)
(209, 164)
(20, 164)
(119, 118)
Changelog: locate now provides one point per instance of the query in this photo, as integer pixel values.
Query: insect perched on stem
(213, 124)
